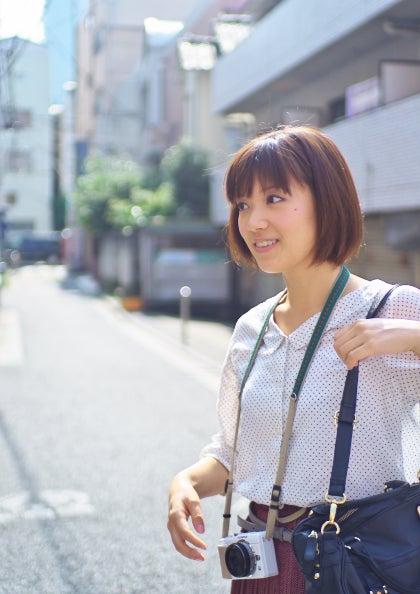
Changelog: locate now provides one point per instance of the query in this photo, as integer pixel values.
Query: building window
(337, 109)
(18, 161)
(17, 118)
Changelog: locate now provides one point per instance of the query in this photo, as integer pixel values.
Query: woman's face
(279, 228)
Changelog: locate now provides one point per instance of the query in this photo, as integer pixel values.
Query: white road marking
(51, 504)
(11, 345)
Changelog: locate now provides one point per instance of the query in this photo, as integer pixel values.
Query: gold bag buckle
(334, 501)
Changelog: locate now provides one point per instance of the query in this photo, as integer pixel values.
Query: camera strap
(310, 350)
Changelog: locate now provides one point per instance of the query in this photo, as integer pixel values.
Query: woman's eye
(241, 206)
(274, 198)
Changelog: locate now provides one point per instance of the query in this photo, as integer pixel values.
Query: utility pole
(9, 52)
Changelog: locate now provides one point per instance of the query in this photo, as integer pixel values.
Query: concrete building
(352, 68)
(60, 19)
(134, 100)
(26, 150)
(111, 44)
(175, 82)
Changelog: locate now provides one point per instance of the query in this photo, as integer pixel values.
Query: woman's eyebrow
(274, 189)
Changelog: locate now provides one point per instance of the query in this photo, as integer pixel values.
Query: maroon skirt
(289, 580)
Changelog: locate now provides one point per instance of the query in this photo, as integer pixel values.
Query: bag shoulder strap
(346, 418)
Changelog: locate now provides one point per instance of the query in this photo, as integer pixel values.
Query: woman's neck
(308, 290)
(307, 293)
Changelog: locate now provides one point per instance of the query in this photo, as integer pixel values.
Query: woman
(294, 211)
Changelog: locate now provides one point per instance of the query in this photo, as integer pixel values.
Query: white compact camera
(248, 555)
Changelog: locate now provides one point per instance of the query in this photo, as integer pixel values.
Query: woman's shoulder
(403, 301)
(251, 322)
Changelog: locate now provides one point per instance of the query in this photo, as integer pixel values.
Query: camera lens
(240, 559)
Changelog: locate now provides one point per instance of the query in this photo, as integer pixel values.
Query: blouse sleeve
(221, 444)
(241, 346)
(405, 304)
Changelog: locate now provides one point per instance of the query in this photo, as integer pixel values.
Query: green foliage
(142, 206)
(186, 167)
(110, 195)
(152, 203)
(116, 194)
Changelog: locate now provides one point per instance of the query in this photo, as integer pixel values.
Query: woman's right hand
(205, 478)
(184, 503)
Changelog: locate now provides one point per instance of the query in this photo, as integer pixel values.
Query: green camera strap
(310, 350)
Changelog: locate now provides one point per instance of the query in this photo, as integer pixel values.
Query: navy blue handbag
(371, 546)
(365, 546)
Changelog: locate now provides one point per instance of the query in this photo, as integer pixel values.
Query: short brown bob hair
(308, 156)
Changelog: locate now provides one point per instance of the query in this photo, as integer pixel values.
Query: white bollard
(185, 311)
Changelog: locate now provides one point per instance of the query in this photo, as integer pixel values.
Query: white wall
(383, 151)
(32, 187)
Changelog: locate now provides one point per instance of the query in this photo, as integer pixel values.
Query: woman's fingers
(204, 478)
(182, 534)
(184, 504)
(378, 336)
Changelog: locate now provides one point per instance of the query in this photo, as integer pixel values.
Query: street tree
(111, 195)
(185, 166)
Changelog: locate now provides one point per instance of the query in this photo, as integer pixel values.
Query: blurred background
(118, 117)
(117, 296)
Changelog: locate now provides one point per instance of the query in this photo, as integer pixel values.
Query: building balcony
(299, 42)
(384, 155)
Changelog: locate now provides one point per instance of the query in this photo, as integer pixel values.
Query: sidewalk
(208, 339)
(205, 339)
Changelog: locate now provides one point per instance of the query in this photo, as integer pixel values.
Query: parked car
(36, 247)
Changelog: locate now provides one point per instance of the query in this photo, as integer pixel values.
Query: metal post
(185, 311)
(2, 241)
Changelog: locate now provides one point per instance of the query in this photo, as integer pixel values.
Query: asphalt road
(98, 409)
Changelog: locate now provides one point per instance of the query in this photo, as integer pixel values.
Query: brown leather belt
(254, 524)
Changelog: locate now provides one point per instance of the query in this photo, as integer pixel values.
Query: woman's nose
(257, 220)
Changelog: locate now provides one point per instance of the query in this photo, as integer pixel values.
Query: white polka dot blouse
(386, 441)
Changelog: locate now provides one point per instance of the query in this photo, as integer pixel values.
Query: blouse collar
(354, 305)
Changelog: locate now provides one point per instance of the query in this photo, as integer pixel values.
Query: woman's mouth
(265, 243)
